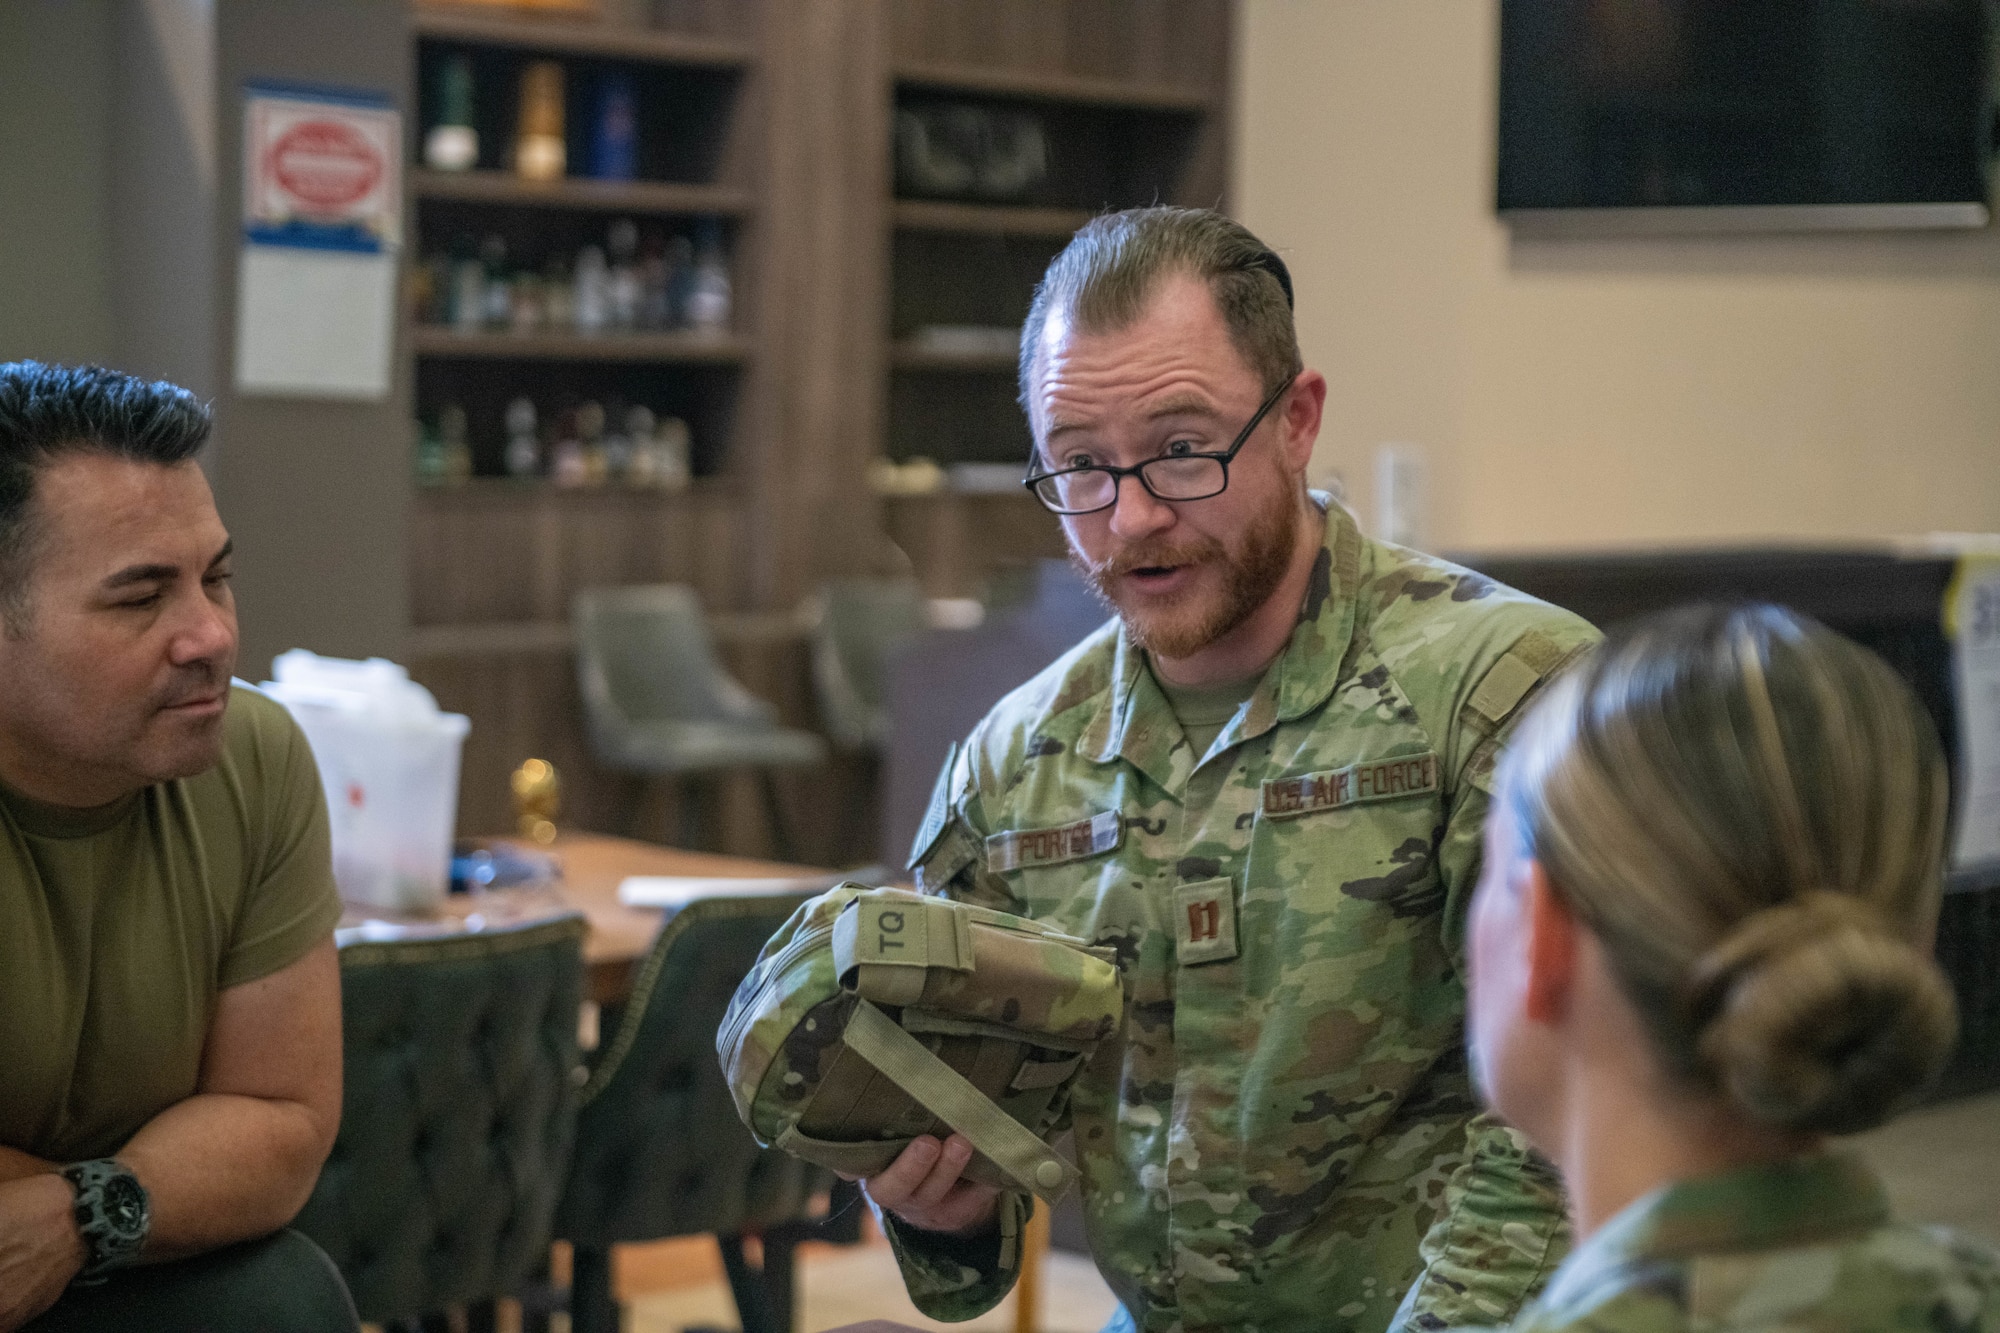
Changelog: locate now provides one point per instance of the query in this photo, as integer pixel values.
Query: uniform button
(1049, 1175)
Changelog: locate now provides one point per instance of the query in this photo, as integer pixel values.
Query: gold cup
(537, 800)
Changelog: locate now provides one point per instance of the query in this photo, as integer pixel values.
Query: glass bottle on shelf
(618, 451)
(437, 304)
(430, 462)
(593, 291)
(468, 285)
(671, 450)
(590, 427)
(566, 465)
(709, 300)
(538, 142)
(655, 309)
(614, 140)
(639, 423)
(622, 244)
(453, 432)
(452, 143)
(499, 290)
(524, 451)
(529, 311)
(558, 295)
(680, 280)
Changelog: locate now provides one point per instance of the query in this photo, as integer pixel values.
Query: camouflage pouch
(876, 1015)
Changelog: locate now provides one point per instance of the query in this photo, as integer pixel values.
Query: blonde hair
(1748, 810)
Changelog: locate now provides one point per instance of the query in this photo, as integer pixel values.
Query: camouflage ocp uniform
(1288, 1117)
(1805, 1244)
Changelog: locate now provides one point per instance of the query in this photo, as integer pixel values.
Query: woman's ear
(1552, 947)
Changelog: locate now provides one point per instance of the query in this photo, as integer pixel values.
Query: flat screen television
(1745, 114)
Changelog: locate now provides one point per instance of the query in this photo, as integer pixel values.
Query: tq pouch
(877, 1015)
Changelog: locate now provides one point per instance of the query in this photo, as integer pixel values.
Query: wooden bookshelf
(567, 35)
(907, 355)
(1131, 97)
(986, 219)
(673, 347)
(642, 198)
(1055, 86)
(777, 118)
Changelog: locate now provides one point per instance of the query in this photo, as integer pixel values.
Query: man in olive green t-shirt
(169, 993)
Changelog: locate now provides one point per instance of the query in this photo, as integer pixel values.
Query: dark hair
(50, 411)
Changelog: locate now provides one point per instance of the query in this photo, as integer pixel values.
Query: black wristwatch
(112, 1212)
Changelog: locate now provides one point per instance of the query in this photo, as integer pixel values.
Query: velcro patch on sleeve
(1022, 848)
(1506, 683)
(1518, 671)
(1357, 784)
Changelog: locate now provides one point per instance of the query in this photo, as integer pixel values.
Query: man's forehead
(105, 510)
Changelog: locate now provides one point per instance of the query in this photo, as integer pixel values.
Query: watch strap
(112, 1214)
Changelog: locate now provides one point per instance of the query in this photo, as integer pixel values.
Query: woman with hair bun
(1700, 945)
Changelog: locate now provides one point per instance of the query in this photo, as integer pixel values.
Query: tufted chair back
(459, 1113)
(659, 1149)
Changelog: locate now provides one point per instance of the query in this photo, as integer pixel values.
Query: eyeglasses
(1170, 477)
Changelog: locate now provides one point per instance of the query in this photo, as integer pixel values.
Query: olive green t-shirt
(119, 926)
(1204, 710)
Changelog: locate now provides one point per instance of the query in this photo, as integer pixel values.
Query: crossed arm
(235, 1160)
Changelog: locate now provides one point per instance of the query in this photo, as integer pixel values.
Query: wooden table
(592, 867)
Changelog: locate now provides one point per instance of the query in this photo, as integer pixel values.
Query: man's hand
(40, 1250)
(924, 1188)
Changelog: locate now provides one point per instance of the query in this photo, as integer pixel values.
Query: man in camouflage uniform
(1799, 1244)
(1263, 784)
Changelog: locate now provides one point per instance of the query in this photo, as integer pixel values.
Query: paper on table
(680, 890)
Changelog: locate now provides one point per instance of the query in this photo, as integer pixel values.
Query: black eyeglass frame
(1118, 474)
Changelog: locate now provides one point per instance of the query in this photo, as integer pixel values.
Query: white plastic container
(388, 760)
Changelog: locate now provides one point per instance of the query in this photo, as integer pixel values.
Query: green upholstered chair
(659, 1149)
(657, 702)
(857, 625)
(283, 1281)
(460, 1106)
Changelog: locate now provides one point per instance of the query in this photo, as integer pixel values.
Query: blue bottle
(614, 137)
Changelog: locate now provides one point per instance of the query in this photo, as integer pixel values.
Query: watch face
(124, 1205)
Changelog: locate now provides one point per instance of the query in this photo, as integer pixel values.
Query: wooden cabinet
(775, 121)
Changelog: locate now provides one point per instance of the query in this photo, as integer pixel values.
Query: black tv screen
(1746, 112)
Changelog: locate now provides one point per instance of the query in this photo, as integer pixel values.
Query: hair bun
(1813, 1016)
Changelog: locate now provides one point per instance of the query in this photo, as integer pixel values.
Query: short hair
(1748, 810)
(47, 412)
(1104, 276)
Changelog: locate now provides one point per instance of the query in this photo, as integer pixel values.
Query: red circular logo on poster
(325, 164)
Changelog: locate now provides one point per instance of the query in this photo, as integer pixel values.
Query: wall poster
(322, 230)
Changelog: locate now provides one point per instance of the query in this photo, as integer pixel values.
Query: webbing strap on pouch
(945, 1093)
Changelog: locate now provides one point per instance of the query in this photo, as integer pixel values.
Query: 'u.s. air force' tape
(1052, 846)
(1337, 788)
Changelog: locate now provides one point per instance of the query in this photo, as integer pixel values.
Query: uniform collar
(1134, 721)
(1801, 1201)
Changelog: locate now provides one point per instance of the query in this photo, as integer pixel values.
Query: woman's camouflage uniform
(1805, 1245)
(1288, 1116)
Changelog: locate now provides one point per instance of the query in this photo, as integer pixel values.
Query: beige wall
(1595, 393)
(55, 186)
